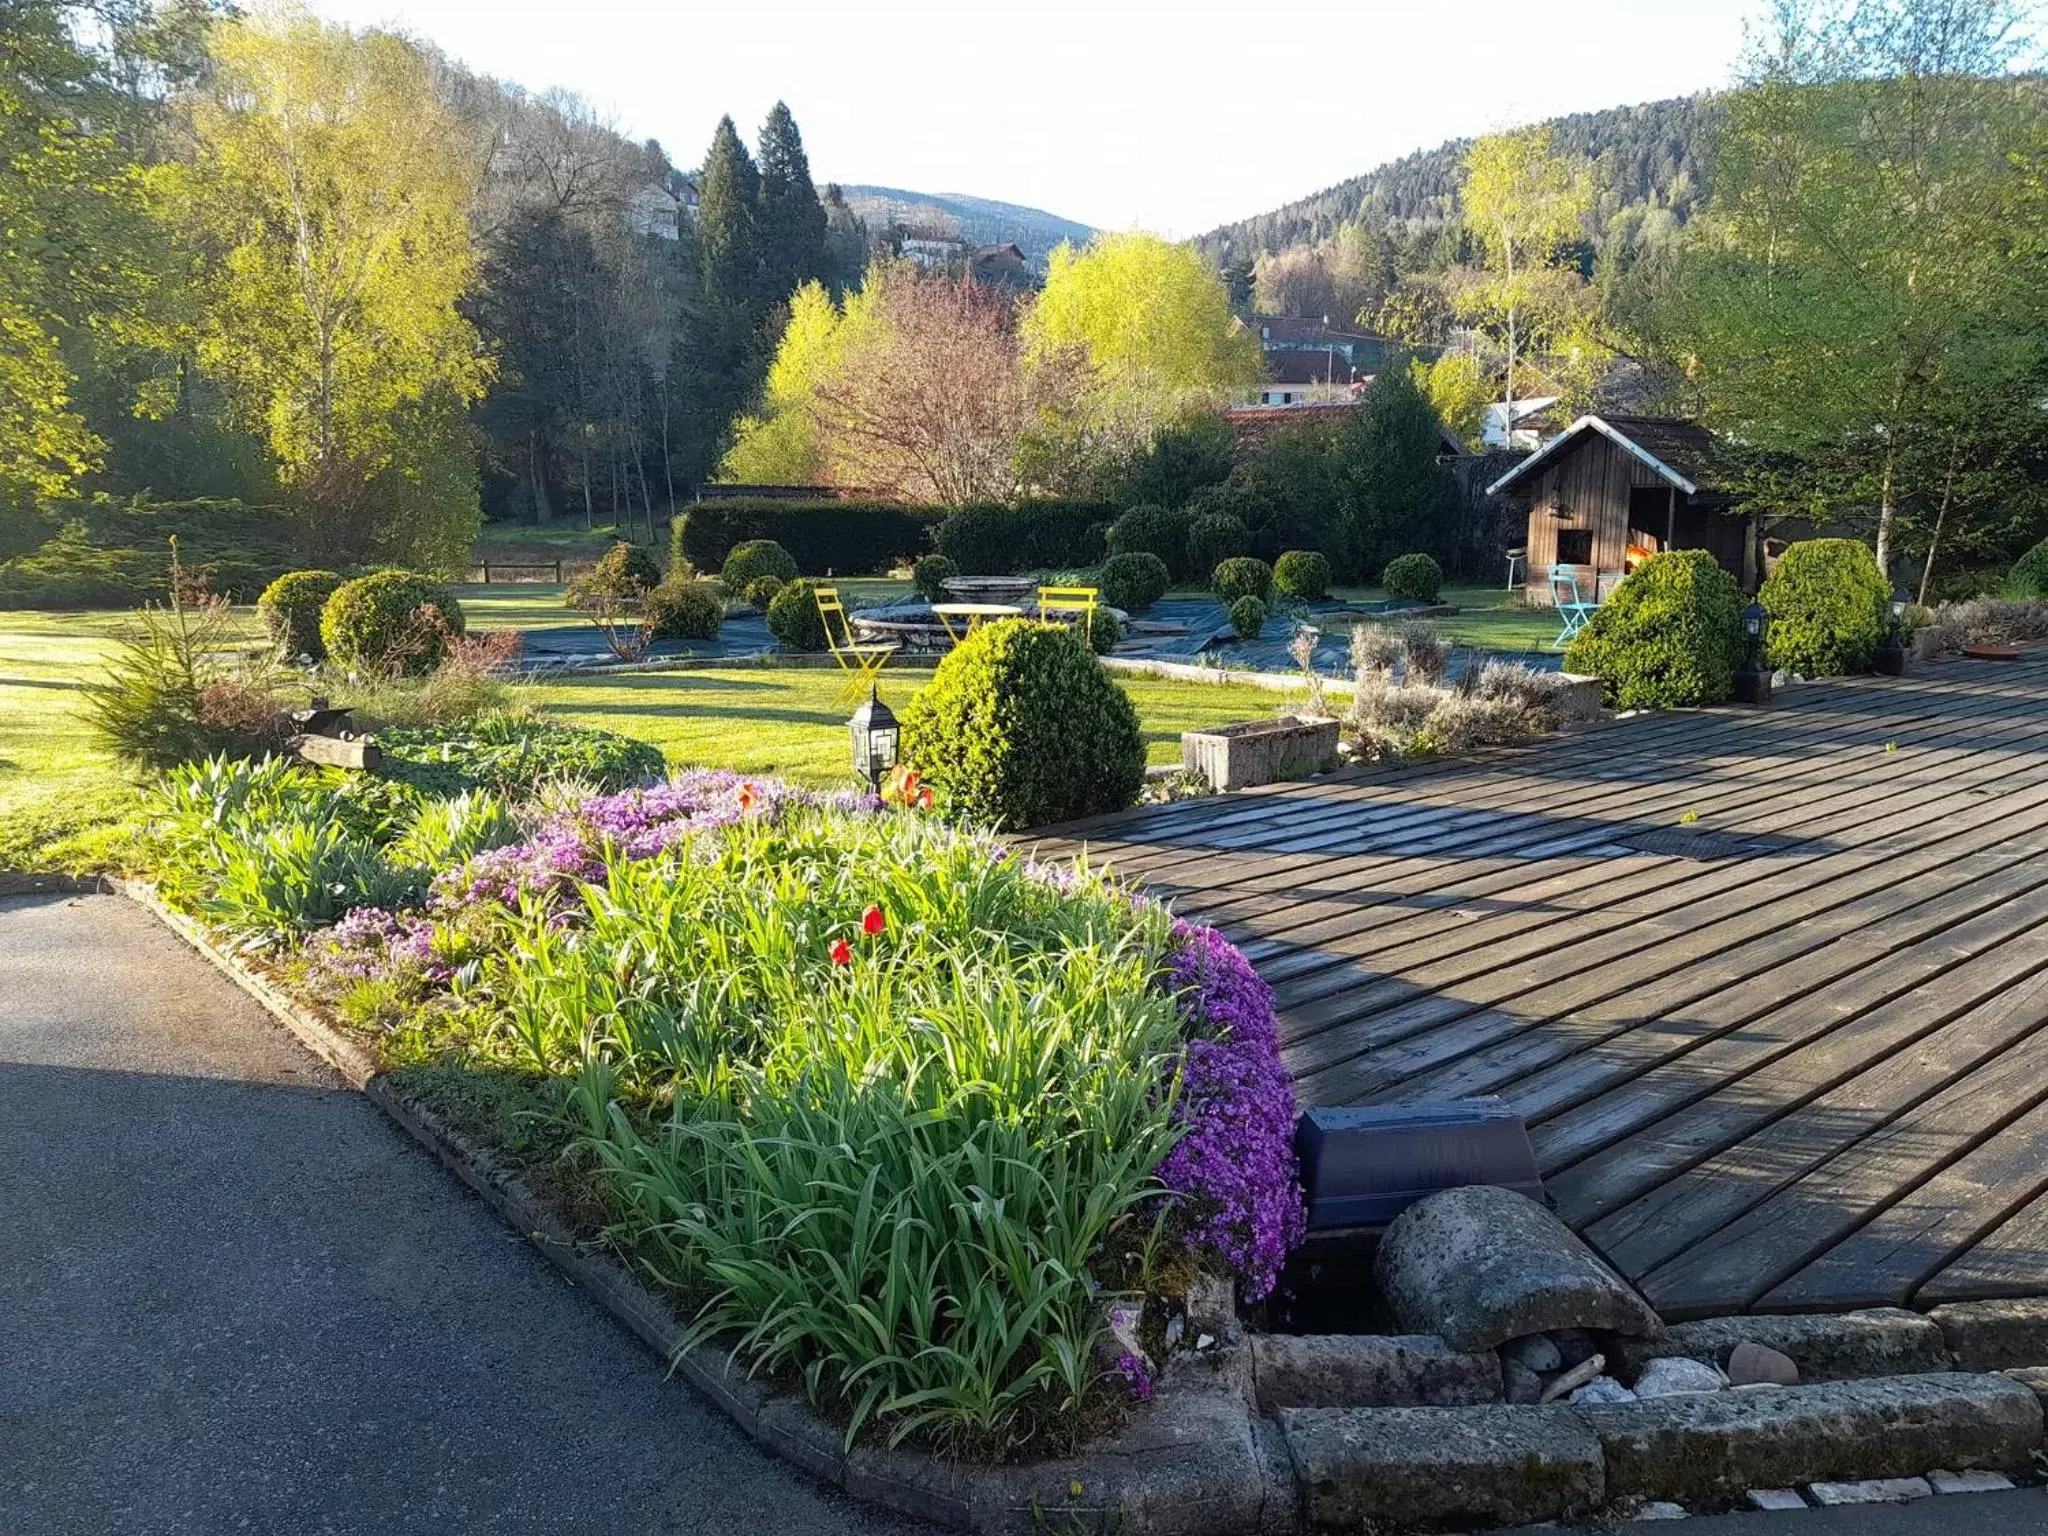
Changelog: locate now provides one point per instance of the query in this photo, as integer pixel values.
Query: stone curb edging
(15, 883)
(1196, 1462)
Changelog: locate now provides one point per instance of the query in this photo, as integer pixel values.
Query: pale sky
(1122, 114)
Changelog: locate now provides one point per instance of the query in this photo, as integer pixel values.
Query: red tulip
(749, 798)
(841, 952)
(872, 922)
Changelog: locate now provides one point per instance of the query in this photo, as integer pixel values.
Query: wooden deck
(1770, 986)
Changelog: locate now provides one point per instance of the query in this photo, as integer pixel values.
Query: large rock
(1366, 1468)
(1360, 1370)
(1481, 1265)
(1994, 1335)
(1883, 1341)
(1717, 1445)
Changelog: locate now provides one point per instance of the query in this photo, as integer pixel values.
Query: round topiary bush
(625, 571)
(686, 610)
(390, 621)
(1134, 582)
(1829, 608)
(290, 609)
(794, 620)
(1214, 538)
(1103, 631)
(930, 576)
(1020, 726)
(1248, 617)
(1669, 637)
(1413, 578)
(1302, 573)
(1243, 577)
(1147, 530)
(755, 558)
(762, 589)
(2028, 577)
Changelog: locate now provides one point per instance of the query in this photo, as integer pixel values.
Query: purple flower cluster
(575, 846)
(1131, 1371)
(1235, 1165)
(374, 943)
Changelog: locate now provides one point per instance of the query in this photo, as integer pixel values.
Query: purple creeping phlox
(1235, 1165)
(373, 943)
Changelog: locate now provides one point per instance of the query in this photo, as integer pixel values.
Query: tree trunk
(1948, 486)
(537, 478)
(1887, 512)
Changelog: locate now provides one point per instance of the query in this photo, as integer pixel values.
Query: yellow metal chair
(861, 661)
(1080, 601)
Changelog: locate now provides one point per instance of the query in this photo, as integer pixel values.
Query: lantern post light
(875, 735)
(1891, 651)
(1752, 679)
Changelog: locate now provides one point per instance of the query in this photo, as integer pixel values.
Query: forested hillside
(1653, 155)
(979, 219)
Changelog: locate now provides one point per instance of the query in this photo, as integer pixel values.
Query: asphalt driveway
(234, 1298)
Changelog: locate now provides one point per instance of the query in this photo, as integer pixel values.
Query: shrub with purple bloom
(1235, 1165)
(373, 944)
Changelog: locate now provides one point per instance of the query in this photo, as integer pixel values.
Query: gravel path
(234, 1298)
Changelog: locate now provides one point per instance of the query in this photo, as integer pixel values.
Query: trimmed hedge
(1020, 726)
(1153, 531)
(379, 621)
(843, 538)
(1248, 617)
(1134, 582)
(794, 620)
(1302, 573)
(290, 609)
(1829, 608)
(987, 539)
(1242, 577)
(686, 610)
(1416, 578)
(1669, 637)
(930, 575)
(749, 562)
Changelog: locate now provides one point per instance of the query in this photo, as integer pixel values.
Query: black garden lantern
(875, 735)
(1891, 652)
(1752, 679)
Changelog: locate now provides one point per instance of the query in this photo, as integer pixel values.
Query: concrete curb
(15, 883)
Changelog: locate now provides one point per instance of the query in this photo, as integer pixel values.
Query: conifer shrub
(1413, 578)
(290, 609)
(1242, 577)
(1248, 617)
(1214, 538)
(930, 575)
(1020, 726)
(686, 610)
(1134, 582)
(1145, 530)
(1670, 636)
(1829, 608)
(752, 560)
(1302, 573)
(794, 620)
(390, 621)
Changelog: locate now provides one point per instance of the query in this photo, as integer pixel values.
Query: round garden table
(973, 614)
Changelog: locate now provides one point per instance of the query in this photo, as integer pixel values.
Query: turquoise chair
(1572, 608)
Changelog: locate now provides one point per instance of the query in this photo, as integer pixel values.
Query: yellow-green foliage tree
(1529, 204)
(1149, 324)
(782, 445)
(327, 205)
(1460, 389)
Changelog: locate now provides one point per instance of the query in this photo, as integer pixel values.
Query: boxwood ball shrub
(686, 610)
(2029, 574)
(753, 559)
(623, 571)
(1134, 582)
(930, 575)
(1829, 608)
(1214, 538)
(390, 621)
(290, 609)
(1020, 726)
(1103, 631)
(1145, 530)
(762, 589)
(794, 620)
(1414, 578)
(1669, 637)
(1302, 573)
(1248, 617)
(1242, 577)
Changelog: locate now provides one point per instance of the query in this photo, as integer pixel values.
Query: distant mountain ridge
(982, 220)
(1654, 154)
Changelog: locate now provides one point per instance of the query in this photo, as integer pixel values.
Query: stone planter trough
(1261, 751)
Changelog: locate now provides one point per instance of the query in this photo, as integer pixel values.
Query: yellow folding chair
(1080, 601)
(861, 661)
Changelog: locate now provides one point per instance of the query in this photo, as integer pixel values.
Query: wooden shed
(1609, 484)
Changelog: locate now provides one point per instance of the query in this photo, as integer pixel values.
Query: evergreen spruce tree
(728, 236)
(789, 218)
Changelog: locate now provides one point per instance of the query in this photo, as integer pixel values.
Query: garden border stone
(1254, 752)
(1344, 1370)
(1995, 1335)
(1836, 1346)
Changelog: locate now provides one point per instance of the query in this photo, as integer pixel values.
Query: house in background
(1303, 377)
(1536, 423)
(1005, 265)
(934, 252)
(1363, 354)
(1254, 415)
(1608, 486)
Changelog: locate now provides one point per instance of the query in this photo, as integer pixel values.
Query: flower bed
(896, 1113)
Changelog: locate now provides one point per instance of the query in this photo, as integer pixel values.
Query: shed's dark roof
(1683, 452)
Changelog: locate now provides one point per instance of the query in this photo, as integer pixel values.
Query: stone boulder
(1480, 1265)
